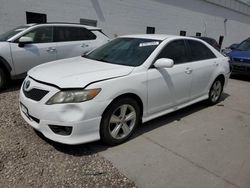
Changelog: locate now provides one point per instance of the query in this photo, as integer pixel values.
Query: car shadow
(241, 77)
(75, 150)
(175, 116)
(13, 85)
(98, 146)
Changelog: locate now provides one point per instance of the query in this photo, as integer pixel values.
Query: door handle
(188, 71)
(51, 50)
(84, 45)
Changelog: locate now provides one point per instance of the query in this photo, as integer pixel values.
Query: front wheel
(119, 121)
(215, 92)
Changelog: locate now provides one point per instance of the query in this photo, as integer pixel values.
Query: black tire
(215, 92)
(3, 79)
(115, 107)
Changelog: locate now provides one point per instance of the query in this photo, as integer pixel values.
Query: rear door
(73, 41)
(41, 50)
(204, 62)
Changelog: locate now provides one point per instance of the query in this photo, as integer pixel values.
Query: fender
(5, 64)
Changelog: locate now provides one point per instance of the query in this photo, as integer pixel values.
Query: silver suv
(30, 45)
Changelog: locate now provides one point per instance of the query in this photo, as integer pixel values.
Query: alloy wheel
(216, 91)
(122, 121)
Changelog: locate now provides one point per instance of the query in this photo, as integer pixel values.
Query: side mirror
(24, 40)
(164, 63)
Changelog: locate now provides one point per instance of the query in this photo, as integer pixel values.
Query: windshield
(125, 51)
(6, 36)
(244, 46)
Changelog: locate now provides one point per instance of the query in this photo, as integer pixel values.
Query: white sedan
(108, 92)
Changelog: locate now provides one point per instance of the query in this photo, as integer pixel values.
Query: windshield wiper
(103, 60)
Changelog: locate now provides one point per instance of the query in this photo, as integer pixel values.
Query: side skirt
(145, 119)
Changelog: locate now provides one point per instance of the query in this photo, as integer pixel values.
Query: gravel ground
(29, 160)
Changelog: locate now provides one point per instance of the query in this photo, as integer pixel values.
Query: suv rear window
(64, 34)
(199, 51)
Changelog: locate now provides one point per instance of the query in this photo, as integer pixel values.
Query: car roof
(65, 24)
(205, 38)
(157, 36)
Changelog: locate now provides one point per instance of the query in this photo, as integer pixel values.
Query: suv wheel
(119, 121)
(3, 79)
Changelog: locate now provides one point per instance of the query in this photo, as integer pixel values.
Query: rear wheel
(3, 79)
(215, 92)
(119, 121)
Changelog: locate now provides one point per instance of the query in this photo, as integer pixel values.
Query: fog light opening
(61, 130)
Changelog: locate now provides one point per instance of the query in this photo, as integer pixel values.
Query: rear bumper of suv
(240, 68)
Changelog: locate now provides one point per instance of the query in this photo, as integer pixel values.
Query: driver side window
(176, 51)
(41, 35)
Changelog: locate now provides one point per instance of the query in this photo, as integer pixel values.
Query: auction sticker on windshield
(154, 43)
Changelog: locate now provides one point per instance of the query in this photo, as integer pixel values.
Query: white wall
(118, 17)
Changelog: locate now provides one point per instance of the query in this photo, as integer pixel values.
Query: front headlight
(73, 96)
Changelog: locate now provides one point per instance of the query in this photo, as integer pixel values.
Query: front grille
(35, 94)
(241, 60)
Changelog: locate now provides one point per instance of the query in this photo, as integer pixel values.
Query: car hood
(4, 44)
(77, 72)
(245, 55)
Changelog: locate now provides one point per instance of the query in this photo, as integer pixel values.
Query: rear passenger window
(64, 34)
(176, 51)
(200, 51)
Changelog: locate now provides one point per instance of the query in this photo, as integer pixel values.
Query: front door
(41, 50)
(170, 87)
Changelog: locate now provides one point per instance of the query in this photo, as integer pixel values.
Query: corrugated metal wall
(119, 17)
(241, 6)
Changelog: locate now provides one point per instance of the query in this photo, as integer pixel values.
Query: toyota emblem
(27, 85)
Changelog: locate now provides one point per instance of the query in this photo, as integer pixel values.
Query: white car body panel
(73, 70)
(76, 114)
(32, 55)
(168, 87)
(161, 91)
(201, 75)
(72, 49)
(5, 53)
